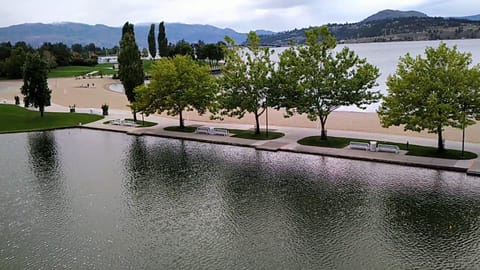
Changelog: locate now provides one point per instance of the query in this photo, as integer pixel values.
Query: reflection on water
(105, 200)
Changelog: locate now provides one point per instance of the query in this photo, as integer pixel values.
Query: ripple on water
(143, 202)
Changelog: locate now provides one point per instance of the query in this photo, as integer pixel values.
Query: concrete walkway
(292, 135)
(289, 143)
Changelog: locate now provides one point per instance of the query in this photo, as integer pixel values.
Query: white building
(113, 59)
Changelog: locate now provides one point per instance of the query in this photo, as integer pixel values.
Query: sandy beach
(70, 91)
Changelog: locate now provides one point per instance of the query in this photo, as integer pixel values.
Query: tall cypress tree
(35, 85)
(130, 64)
(162, 41)
(151, 41)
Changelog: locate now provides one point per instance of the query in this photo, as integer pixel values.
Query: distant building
(108, 59)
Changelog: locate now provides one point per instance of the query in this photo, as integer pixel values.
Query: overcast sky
(241, 15)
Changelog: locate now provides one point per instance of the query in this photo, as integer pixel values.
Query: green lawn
(250, 134)
(141, 123)
(187, 129)
(147, 66)
(413, 150)
(18, 119)
(74, 71)
(244, 134)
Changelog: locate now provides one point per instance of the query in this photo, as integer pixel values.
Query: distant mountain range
(386, 25)
(390, 25)
(69, 33)
(393, 14)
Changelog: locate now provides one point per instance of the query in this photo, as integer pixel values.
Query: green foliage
(13, 64)
(152, 48)
(186, 129)
(412, 149)
(434, 92)
(210, 51)
(141, 123)
(163, 49)
(177, 84)
(105, 109)
(247, 82)
(35, 85)
(314, 80)
(18, 119)
(130, 64)
(252, 135)
(182, 48)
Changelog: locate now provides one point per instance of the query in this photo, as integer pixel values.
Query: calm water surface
(81, 199)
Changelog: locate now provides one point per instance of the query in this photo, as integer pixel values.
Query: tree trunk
(257, 123)
(42, 109)
(181, 120)
(134, 115)
(441, 146)
(323, 135)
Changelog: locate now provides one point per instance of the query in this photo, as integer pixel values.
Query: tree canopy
(316, 81)
(432, 93)
(163, 49)
(130, 64)
(152, 48)
(247, 81)
(35, 86)
(177, 84)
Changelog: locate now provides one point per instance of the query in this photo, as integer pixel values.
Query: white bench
(388, 148)
(119, 122)
(220, 131)
(359, 145)
(203, 130)
(212, 131)
(129, 123)
(116, 122)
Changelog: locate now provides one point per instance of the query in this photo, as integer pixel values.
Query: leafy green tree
(177, 84)
(163, 48)
(152, 48)
(144, 52)
(130, 64)
(247, 79)
(183, 48)
(13, 64)
(316, 81)
(432, 93)
(35, 85)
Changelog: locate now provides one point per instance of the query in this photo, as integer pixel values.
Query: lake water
(83, 199)
(386, 55)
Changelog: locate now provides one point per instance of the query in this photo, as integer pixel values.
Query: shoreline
(469, 167)
(69, 91)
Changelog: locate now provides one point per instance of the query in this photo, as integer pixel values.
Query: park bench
(129, 123)
(388, 148)
(220, 131)
(203, 130)
(116, 122)
(359, 145)
(212, 131)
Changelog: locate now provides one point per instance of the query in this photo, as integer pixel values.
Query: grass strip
(238, 133)
(413, 150)
(18, 119)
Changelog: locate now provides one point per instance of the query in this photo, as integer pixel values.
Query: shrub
(104, 109)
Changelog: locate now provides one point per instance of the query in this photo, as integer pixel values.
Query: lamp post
(266, 117)
(463, 139)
